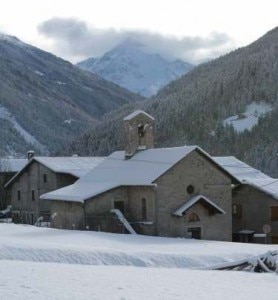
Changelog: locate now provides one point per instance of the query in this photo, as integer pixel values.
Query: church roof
(142, 169)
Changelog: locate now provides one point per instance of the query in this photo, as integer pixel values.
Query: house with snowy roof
(177, 192)
(39, 176)
(8, 168)
(255, 201)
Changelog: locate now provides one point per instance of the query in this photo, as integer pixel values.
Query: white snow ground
(39, 281)
(250, 118)
(43, 263)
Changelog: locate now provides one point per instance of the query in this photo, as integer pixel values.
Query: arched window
(193, 217)
(190, 189)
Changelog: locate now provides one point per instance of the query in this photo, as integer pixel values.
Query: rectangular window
(44, 178)
(274, 213)
(120, 206)
(237, 211)
(18, 195)
(144, 209)
(33, 195)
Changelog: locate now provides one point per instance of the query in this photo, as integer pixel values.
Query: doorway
(194, 233)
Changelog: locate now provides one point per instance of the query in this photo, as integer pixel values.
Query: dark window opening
(18, 195)
(274, 213)
(194, 233)
(32, 219)
(33, 195)
(120, 206)
(237, 211)
(144, 209)
(141, 130)
(190, 189)
(44, 178)
(193, 218)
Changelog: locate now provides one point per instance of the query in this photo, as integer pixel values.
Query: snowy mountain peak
(131, 65)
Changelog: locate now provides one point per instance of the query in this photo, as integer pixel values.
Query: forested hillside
(192, 110)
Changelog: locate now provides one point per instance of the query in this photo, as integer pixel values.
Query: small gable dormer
(139, 132)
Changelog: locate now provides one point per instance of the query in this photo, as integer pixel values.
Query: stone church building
(175, 192)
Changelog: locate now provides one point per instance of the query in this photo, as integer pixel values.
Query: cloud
(76, 40)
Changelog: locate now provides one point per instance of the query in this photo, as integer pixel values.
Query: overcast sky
(192, 30)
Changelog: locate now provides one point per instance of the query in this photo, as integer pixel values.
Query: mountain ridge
(130, 65)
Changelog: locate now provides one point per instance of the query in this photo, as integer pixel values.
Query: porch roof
(203, 200)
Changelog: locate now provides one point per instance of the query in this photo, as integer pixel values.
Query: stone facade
(34, 181)
(206, 179)
(252, 210)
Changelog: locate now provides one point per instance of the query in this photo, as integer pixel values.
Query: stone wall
(97, 211)
(32, 179)
(67, 215)
(135, 195)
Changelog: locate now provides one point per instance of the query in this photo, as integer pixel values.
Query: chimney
(30, 154)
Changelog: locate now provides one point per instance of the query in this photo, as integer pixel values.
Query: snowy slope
(250, 118)
(29, 243)
(30, 139)
(41, 263)
(131, 66)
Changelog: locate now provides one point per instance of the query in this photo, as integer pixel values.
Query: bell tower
(139, 132)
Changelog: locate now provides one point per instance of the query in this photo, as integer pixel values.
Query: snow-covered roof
(142, 169)
(136, 113)
(239, 169)
(75, 165)
(199, 198)
(268, 186)
(12, 164)
(248, 175)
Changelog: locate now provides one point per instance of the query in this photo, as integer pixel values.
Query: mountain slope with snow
(131, 66)
(45, 101)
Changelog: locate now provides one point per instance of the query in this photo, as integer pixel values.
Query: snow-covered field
(43, 263)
